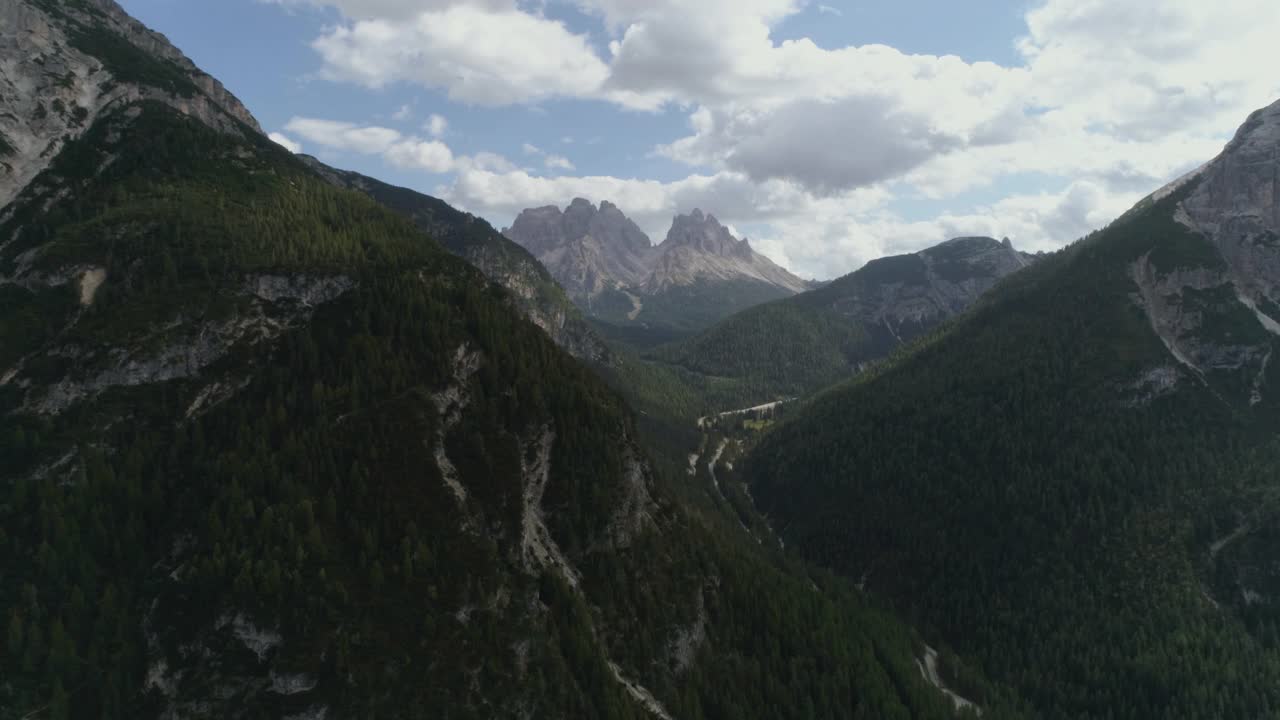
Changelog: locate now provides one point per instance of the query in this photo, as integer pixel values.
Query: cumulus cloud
(436, 125)
(396, 9)
(806, 145)
(397, 149)
(285, 142)
(825, 146)
(550, 160)
(557, 162)
(476, 53)
(1140, 70)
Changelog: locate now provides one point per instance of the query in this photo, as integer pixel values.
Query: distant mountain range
(800, 344)
(697, 276)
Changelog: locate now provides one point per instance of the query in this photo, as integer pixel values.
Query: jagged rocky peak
(545, 229)
(538, 230)
(59, 75)
(611, 225)
(607, 264)
(588, 250)
(698, 247)
(1233, 202)
(577, 218)
(1239, 192)
(703, 232)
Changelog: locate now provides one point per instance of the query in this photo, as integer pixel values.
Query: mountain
(73, 60)
(804, 343)
(698, 275)
(588, 250)
(1075, 483)
(540, 298)
(268, 450)
(699, 248)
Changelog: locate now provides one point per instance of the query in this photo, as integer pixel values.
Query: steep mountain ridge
(699, 274)
(801, 344)
(1075, 482)
(541, 299)
(62, 64)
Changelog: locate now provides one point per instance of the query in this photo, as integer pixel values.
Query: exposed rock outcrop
(1223, 317)
(64, 64)
(182, 349)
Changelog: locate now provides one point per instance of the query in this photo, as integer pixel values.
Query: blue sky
(831, 133)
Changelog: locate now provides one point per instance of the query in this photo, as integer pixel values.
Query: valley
(283, 439)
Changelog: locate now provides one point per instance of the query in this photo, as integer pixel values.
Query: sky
(830, 133)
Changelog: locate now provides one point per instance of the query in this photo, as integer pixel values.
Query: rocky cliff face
(63, 64)
(698, 247)
(1218, 313)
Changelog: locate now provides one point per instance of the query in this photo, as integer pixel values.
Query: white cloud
(477, 54)
(557, 162)
(436, 125)
(1140, 70)
(804, 144)
(403, 113)
(430, 155)
(486, 162)
(828, 10)
(396, 9)
(550, 160)
(397, 149)
(344, 135)
(285, 142)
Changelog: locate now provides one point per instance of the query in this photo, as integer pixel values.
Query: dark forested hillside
(1075, 485)
(289, 455)
(803, 343)
(503, 261)
(267, 450)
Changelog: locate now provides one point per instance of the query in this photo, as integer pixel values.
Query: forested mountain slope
(267, 450)
(503, 261)
(803, 343)
(1077, 484)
